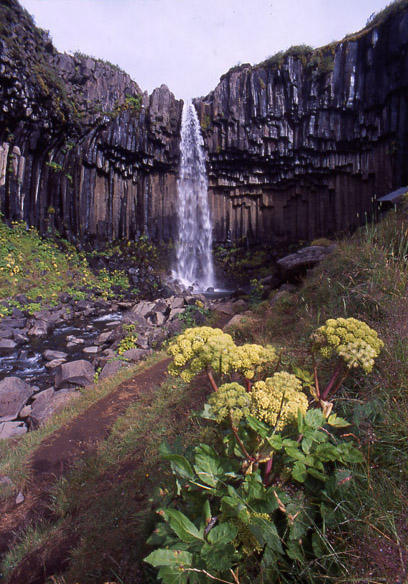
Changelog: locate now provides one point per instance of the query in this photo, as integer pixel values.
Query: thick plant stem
(332, 381)
(240, 443)
(212, 380)
(268, 470)
(248, 384)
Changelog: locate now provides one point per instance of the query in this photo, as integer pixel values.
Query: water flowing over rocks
(43, 373)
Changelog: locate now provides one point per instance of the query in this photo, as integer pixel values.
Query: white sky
(189, 44)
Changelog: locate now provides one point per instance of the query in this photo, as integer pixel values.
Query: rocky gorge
(47, 357)
(298, 146)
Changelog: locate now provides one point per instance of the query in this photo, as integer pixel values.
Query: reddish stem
(332, 381)
(268, 470)
(212, 380)
(248, 385)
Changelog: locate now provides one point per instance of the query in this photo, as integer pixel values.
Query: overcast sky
(189, 44)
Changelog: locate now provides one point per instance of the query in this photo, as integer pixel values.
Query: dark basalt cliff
(298, 146)
(81, 148)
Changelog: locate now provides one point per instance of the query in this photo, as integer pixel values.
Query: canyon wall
(82, 149)
(301, 145)
(298, 146)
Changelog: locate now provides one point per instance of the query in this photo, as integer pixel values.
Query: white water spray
(194, 247)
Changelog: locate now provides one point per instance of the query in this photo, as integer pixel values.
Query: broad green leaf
(208, 465)
(318, 545)
(180, 465)
(182, 526)
(299, 472)
(327, 452)
(223, 533)
(295, 551)
(288, 443)
(314, 418)
(232, 507)
(258, 426)
(218, 557)
(164, 557)
(295, 453)
(173, 575)
(317, 474)
(337, 422)
(206, 511)
(306, 444)
(347, 453)
(266, 533)
(275, 442)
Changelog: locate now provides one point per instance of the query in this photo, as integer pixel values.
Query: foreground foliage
(256, 505)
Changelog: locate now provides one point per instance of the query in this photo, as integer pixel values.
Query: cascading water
(194, 247)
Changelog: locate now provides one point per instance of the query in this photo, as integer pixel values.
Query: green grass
(104, 503)
(15, 454)
(42, 268)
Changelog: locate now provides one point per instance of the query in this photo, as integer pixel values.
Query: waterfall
(194, 263)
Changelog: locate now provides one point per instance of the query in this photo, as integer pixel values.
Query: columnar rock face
(298, 146)
(82, 149)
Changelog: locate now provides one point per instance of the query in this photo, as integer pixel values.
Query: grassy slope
(109, 493)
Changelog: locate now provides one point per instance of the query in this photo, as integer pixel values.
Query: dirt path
(57, 453)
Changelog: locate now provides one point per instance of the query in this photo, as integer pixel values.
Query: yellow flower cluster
(249, 359)
(205, 347)
(199, 348)
(231, 399)
(351, 339)
(277, 400)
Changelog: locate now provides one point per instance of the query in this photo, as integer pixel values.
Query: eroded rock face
(296, 149)
(299, 149)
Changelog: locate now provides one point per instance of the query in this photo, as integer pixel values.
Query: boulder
(48, 402)
(7, 346)
(295, 265)
(14, 322)
(54, 363)
(40, 328)
(111, 368)
(78, 372)
(143, 308)
(14, 394)
(136, 354)
(90, 350)
(51, 355)
(12, 429)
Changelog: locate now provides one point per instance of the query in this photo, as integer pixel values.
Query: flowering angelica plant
(352, 342)
(253, 504)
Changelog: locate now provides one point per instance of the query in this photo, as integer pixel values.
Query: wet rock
(50, 355)
(91, 351)
(174, 312)
(54, 363)
(14, 394)
(14, 322)
(105, 337)
(7, 346)
(12, 429)
(40, 329)
(79, 373)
